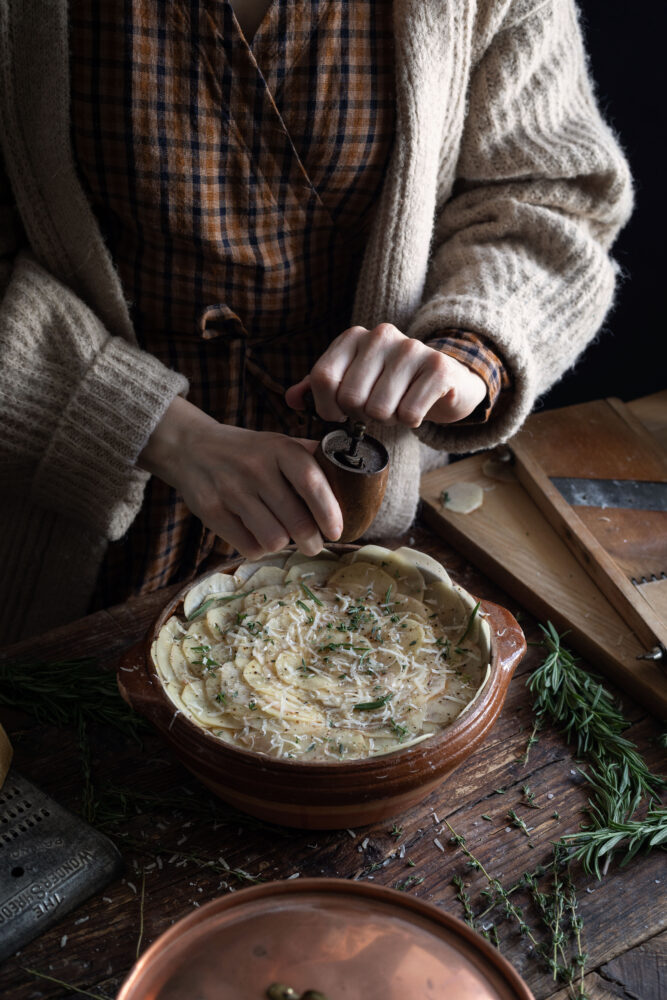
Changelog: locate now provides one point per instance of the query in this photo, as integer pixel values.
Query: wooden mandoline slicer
(580, 534)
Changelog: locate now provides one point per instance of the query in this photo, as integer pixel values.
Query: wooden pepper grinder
(357, 467)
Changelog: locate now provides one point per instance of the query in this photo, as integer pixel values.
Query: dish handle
(134, 682)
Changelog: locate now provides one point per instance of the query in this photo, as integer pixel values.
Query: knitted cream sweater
(503, 194)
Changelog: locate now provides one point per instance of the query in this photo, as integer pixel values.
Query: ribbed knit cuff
(88, 470)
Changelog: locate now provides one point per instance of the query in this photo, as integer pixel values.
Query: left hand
(381, 374)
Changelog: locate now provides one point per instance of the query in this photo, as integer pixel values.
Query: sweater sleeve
(77, 405)
(520, 251)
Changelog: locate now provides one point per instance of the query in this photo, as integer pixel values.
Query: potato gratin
(325, 659)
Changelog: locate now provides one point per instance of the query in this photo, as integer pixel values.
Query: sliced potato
(313, 572)
(411, 637)
(276, 701)
(217, 583)
(367, 553)
(180, 667)
(291, 670)
(446, 599)
(162, 646)
(247, 569)
(298, 557)
(195, 700)
(264, 576)
(364, 575)
(430, 568)
(463, 498)
(408, 605)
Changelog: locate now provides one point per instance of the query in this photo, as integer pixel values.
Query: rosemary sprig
(63, 692)
(619, 778)
(576, 700)
(471, 619)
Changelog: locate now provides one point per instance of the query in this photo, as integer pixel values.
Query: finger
(308, 480)
(421, 395)
(261, 522)
(297, 520)
(329, 370)
(362, 373)
(400, 370)
(464, 391)
(231, 529)
(295, 395)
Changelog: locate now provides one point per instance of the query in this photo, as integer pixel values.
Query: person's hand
(383, 375)
(254, 489)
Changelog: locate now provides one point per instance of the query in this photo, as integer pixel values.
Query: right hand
(255, 489)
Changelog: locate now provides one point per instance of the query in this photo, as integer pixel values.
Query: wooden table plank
(94, 947)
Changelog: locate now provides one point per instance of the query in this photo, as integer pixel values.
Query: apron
(235, 184)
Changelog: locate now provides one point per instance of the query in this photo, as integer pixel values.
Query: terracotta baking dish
(321, 795)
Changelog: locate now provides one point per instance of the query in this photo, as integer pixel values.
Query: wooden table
(94, 947)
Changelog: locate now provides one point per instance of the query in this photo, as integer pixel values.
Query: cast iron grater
(50, 862)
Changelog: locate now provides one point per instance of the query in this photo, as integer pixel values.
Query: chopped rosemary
(368, 706)
(209, 602)
(304, 607)
(308, 592)
(471, 619)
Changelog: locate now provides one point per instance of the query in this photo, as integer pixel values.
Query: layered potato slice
(325, 659)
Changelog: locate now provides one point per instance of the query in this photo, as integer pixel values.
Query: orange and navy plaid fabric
(235, 185)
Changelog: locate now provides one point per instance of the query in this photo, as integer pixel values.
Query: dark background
(625, 42)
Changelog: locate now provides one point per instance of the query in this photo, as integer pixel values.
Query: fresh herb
(64, 692)
(368, 706)
(399, 731)
(408, 883)
(487, 817)
(61, 982)
(332, 646)
(519, 824)
(444, 497)
(555, 905)
(221, 697)
(304, 607)
(471, 619)
(308, 592)
(223, 599)
(532, 740)
(465, 901)
(529, 797)
(619, 778)
(396, 831)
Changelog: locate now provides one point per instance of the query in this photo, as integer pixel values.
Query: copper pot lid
(347, 940)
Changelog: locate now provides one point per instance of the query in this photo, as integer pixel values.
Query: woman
(405, 208)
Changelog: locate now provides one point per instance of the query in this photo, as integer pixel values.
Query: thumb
(294, 396)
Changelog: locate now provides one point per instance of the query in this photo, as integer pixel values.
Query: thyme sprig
(555, 905)
(619, 778)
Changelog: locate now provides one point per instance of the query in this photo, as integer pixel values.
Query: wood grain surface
(184, 848)
(511, 540)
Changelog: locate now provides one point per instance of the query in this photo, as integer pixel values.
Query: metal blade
(50, 862)
(629, 494)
